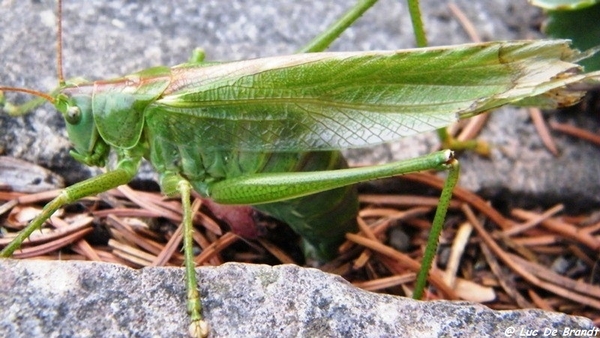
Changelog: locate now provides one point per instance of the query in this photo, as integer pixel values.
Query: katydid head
(74, 102)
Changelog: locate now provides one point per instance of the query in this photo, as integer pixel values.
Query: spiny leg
(122, 175)
(323, 40)
(453, 169)
(198, 327)
(273, 187)
(436, 227)
(417, 22)
(448, 141)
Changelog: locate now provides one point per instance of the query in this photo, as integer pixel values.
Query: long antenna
(28, 91)
(59, 59)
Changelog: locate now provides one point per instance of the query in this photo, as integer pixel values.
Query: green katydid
(248, 132)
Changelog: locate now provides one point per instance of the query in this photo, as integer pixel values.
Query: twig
(542, 129)
(276, 251)
(386, 282)
(565, 229)
(216, 247)
(577, 132)
(51, 246)
(131, 254)
(168, 251)
(407, 261)
(532, 222)
(507, 284)
(458, 248)
(506, 258)
(465, 196)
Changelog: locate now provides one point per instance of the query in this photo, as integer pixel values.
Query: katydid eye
(73, 115)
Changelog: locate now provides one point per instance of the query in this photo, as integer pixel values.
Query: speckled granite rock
(82, 299)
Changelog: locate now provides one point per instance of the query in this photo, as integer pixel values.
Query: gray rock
(22, 176)
(105, 39)
(82, 299)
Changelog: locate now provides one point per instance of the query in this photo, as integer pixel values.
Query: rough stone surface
(82, 299)
(105, 39)
(23, 176)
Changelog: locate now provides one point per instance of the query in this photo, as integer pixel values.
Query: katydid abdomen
(321, 219)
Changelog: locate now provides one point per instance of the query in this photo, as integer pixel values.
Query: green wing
(326, 101)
